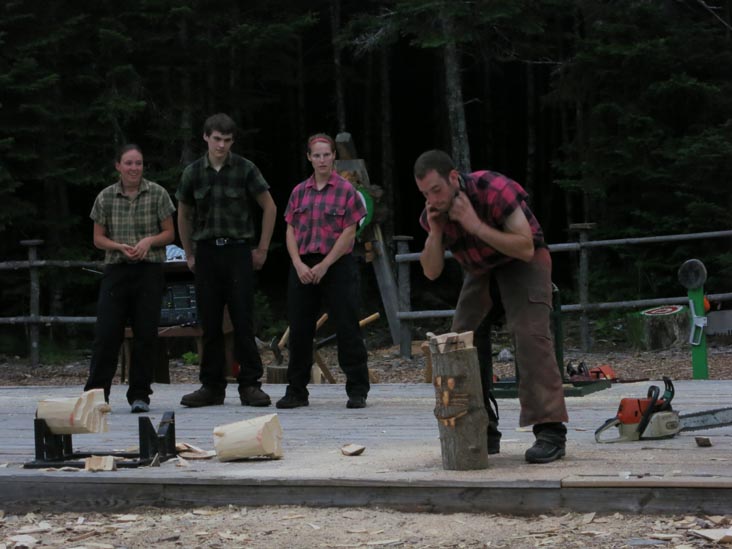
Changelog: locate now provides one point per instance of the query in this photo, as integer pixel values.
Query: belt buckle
(221, 241)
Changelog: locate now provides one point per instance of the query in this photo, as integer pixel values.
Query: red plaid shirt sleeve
(494, 197)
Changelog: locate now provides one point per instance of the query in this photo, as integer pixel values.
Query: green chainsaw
(652, 418)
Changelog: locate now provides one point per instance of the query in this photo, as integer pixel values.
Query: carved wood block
(461, 415)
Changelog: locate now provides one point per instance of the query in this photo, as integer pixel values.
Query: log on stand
(256, 437)
(76, 415)
(460, 411)
(277, 373)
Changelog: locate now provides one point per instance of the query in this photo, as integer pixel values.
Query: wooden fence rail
(404, 314)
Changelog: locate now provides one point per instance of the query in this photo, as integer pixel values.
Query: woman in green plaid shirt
(132, 223)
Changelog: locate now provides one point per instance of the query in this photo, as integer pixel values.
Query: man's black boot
(293, 399)
(551, 440)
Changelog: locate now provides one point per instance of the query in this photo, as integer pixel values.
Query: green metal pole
(699, 367)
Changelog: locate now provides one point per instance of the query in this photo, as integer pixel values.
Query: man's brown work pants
(526, 291)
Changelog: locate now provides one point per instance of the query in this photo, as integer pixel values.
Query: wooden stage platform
(401, 467)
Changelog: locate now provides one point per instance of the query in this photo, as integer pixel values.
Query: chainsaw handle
(653, 392)
(609, 424)
(668, 393)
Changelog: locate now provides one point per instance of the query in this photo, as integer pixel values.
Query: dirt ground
(389, 367)
(301, 527)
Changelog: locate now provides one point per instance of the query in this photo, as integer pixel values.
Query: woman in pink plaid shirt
(322, 216)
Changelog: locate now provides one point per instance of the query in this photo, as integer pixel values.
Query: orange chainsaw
(652, 418)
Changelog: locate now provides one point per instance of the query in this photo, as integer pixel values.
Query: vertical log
(455, 103)
(460, 412)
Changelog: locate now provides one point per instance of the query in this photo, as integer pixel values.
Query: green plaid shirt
(129, 221)
(222, 200)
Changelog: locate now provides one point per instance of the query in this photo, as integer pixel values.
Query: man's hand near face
(435, 218)
(463, 212)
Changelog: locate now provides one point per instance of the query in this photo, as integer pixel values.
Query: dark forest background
(617, 113)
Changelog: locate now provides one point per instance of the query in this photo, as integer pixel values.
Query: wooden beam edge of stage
(77, 492)
(647, 481)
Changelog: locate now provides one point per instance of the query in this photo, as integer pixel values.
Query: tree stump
(461, 415)
(277, 373)
(659, 327)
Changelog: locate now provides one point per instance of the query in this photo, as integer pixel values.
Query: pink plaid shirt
(494, 197)
(319, 217)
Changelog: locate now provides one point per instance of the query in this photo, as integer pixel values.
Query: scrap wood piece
(723, 535)
(189, 451)
(126, 518)
(257, 437)
(100, 463)
(352, 449)
(23, 540)
(451, 341)
(205, 454)
(84, 414)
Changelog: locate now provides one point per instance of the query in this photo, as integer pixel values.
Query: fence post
(35, 300)
(405, 297)
(584, 283)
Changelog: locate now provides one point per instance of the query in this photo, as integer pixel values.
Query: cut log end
(75, 415)
(100, 463)
(256, 437)
(451, 341)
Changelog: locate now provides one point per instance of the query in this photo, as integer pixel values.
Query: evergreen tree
(652, 146)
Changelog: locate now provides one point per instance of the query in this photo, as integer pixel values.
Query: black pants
(129, 292)
(338, 289)
(225, 276)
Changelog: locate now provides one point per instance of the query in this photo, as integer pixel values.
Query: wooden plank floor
(401, 466)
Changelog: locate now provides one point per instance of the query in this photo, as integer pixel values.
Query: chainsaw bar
(708, 419)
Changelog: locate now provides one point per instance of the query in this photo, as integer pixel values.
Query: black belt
(225, 241)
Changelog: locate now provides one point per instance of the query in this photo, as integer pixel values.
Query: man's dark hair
(126, 148)
(436, 160)
(219, 122)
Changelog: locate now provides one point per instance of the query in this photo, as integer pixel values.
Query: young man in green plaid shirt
(215, 199)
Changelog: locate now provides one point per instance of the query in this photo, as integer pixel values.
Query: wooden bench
(161, 373)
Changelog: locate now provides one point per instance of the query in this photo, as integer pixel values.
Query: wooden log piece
(100, 463)
(257, 437)
(461, 415)
(276, 373)
(315, 375)
(76, 415)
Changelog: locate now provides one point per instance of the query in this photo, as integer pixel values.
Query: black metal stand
(54, 450)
